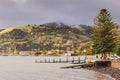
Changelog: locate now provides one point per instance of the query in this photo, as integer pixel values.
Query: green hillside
(43, 37)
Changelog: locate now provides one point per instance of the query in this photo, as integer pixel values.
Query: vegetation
(104, 33)
(46, 37)
(59, 38)
(118, 50)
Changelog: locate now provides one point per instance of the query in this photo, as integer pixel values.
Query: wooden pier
(60, 60)
(76, 61)
(96, 64)
(82, 65)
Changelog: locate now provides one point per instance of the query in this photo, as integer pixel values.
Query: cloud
(19, 1)
(23, 12)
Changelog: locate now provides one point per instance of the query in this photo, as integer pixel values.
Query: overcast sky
(23, 12)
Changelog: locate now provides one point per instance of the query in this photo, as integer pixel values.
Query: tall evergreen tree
(104, 33)
(118, 44)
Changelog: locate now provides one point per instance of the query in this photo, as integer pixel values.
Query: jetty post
(49, 60)
(78, 59)
(67, 59)
(73, 60)
(45, 60)
(59, 60)
(53, 60)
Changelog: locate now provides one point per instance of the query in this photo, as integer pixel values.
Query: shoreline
(113, 72)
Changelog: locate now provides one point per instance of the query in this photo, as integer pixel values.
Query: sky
(71, 12)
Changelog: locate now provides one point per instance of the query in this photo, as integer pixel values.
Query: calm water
(24, 68)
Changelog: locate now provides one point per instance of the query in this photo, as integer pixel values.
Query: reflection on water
(24, 68)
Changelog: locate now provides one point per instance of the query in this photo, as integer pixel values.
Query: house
(26, 53)
(69, 53)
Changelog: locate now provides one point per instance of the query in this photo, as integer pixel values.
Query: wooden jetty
(67, 60)
(83, 65)
(105, 63)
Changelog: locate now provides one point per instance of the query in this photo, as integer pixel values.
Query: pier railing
(74, 60)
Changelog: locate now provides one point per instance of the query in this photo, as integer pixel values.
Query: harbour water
(24, 68)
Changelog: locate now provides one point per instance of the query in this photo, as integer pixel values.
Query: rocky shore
(113, 72)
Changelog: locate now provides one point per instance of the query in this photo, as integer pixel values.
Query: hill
(44, 37)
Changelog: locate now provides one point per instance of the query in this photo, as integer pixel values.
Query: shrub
(118, 50)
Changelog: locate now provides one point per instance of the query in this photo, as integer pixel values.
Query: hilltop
(47, 36)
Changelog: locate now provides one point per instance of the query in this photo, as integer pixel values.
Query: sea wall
(115, 64)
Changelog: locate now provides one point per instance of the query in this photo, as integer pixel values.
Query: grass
(23, 28)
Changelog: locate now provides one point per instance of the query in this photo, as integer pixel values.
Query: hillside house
(26, 53)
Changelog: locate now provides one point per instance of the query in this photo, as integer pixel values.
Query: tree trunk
(104, 55)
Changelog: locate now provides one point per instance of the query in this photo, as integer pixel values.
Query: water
(24, 68)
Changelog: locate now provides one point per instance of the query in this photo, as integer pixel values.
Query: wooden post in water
(73, 60)
(78, 59)
(53, 60)
(49, 60)
(59, 60)
(67, 59)
(45, 60)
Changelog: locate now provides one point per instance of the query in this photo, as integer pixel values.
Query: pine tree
(104, 33)
(117, 49)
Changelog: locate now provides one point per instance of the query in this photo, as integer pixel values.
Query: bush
(118, 50)
(74, 54)
(38, 53)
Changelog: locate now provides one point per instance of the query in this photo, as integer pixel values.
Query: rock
(113, 72)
